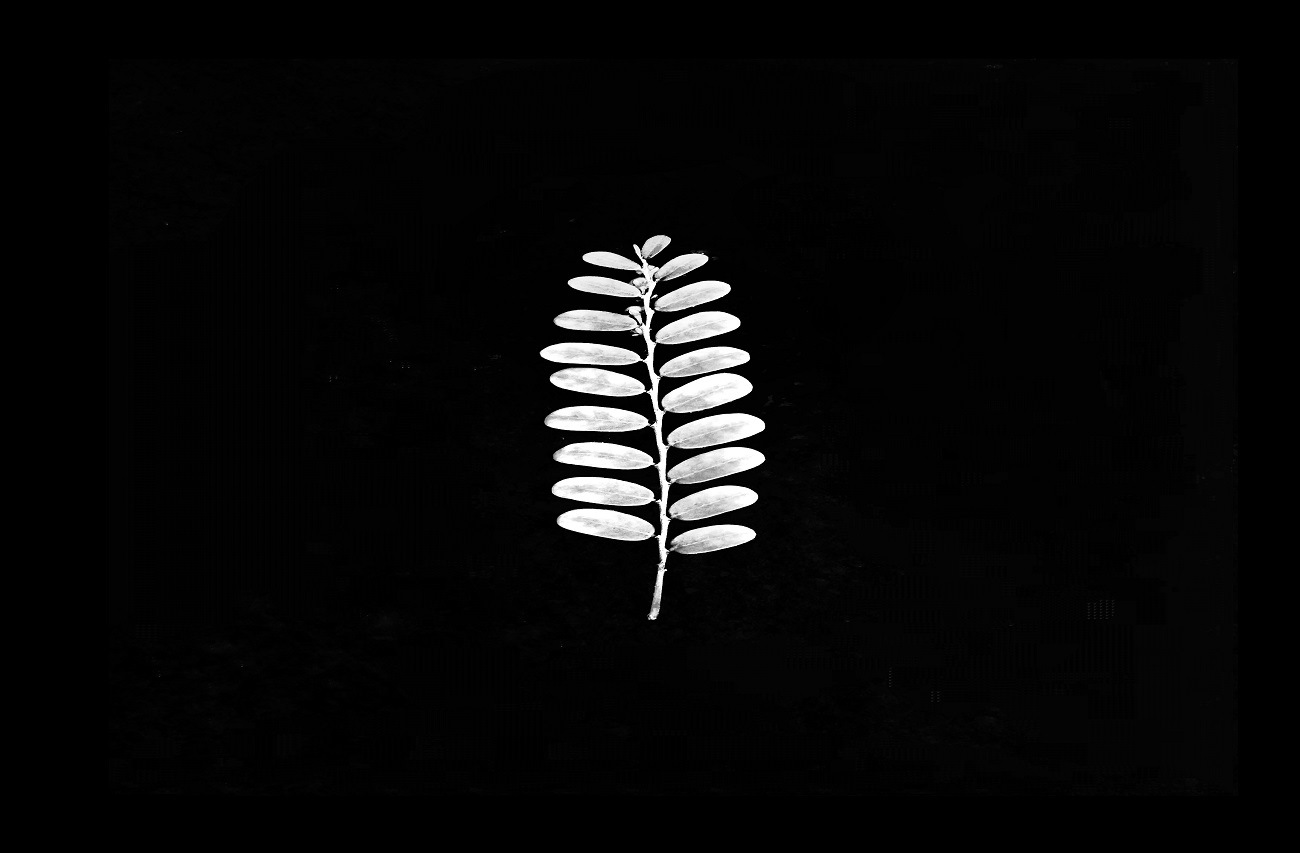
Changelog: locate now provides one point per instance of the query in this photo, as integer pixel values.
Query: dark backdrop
(992, 311)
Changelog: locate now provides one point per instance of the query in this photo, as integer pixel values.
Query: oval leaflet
(702, 540)
(595, 321)
(602, 454)
(714, 464)
(593, 380)
(692, 295)
(611, 260)
(607, 286)
(654, 246)
(694, 327)
(715, 429)
(595, 419)
(579, 353)
(602, 490)
(707, 393)
(711, 502)
(704, 360)
(681, 265)
(608, 523)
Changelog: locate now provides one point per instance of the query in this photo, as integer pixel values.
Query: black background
(991, 305)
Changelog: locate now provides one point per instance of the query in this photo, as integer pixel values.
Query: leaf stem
(659, 439)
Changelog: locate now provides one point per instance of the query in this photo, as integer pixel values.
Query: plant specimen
(712, 389)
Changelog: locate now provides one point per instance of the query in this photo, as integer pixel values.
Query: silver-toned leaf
(595, 419)
(611, 260)
(714, 464)
(595, 321)
(715, 537)
(654, 246)
(637, 251)
(578, 353)
(692, 295)
(704, 360)
(706, 393)
(711, 502)
(607, 286)
(593, 380)
(604, 490)
(607, 523)
(681, 265)
(602, 454)
(715, 429)
(694, 327)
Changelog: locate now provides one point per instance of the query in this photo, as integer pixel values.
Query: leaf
(611, 260)
(602, 454)
(654, 246)
(692, 295)
(703, 361)
(607, 523)
(596, 321)
(607, 286)
(706, 393)
(681, 265)
(577, 353)
(637, 251)
(694, 327)
(603, 490)
(715, 429)
(595, 419)
(711, 502)
(715, 537)
(715, 464)
(593, 380)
